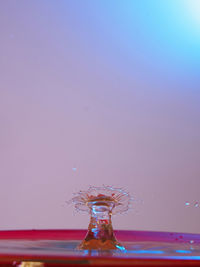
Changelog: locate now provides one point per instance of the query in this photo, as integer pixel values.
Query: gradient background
(100, 92)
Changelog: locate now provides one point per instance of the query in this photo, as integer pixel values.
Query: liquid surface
(139, 249)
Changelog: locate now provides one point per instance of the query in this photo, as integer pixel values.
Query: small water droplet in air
(196, 204)
(187, 203)
(74, 169)
(191, 241)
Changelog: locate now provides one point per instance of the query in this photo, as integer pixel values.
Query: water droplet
(74, 169)
(187, 203)
(191, 241)
(196, 204)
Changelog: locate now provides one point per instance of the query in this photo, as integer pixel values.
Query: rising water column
(101, 203)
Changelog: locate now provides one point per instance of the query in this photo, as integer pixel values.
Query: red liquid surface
(58, 248)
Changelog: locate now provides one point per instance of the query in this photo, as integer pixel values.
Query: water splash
(101, 203)
(121, 199)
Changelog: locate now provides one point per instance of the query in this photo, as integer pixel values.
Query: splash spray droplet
(187, 203)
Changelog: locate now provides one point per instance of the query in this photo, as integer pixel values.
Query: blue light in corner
(167, 30)
(193, 10)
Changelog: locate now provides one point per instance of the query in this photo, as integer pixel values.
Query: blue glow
(121, 248)
(183, 251)
(152, 36)
(184, 257)
(193, 13)
(145, 251)
(95, 231)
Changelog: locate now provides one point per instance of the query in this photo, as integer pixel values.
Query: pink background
(99, 92)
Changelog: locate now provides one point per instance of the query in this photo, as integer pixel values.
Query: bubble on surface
(195, 204)
(187, 203)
